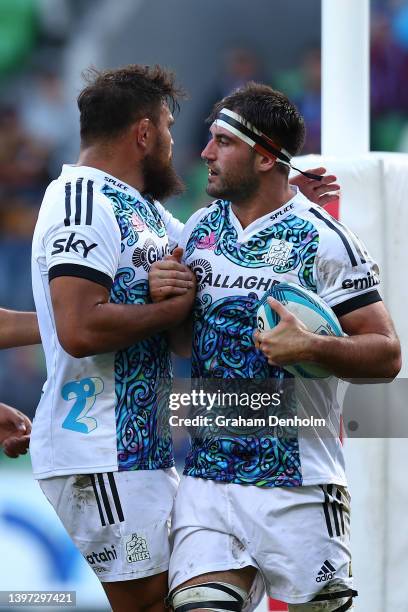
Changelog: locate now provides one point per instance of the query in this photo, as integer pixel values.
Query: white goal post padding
(374, 204)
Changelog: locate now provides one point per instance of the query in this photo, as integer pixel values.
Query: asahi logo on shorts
(279, 252)
(102, 557)
(136, 549)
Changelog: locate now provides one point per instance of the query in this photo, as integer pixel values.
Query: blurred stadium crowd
(36, 133)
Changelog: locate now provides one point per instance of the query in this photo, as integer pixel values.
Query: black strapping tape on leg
(229, 606)
(335, 595)
(345, 606)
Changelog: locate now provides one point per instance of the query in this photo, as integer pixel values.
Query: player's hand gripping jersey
(298, 243)
(105, 412)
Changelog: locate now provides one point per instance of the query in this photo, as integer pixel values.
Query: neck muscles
(248, 211)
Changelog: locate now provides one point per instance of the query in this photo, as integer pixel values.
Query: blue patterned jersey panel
(142, 370)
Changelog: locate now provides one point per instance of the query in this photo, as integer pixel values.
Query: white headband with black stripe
(256, 139)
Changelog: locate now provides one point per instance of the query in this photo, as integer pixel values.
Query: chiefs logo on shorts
(136, 549)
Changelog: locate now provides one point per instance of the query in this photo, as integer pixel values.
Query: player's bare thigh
(142, 595)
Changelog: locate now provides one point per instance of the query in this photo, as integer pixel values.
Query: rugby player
(101, 446)
(259, 508)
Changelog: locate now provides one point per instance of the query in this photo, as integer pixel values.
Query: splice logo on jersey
(118, 184)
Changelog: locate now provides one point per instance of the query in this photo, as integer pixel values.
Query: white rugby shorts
(297, 537)
(119, 521)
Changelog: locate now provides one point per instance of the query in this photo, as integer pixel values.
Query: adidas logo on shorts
(326, 573)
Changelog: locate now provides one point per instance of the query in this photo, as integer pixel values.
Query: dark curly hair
(114, 99)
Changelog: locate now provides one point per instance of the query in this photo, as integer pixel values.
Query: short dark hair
(114, 99)
(268, 110)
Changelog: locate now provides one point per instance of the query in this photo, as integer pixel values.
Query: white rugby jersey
(299, 243)
(105, 412)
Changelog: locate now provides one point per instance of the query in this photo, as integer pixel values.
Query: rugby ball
(309, 308)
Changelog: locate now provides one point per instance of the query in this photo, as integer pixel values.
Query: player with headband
(254, 508)
(257, 140)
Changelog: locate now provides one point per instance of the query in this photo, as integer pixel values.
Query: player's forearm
(18, 328)
(360, 356)
(110, 327)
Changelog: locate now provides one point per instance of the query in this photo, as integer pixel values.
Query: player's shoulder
(332, 232)
(165, 214)
(324, 222)
(75, 198)
(338, 244)
(203, 213)
(195, 217)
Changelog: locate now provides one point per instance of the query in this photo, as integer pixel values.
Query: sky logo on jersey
(84, 393)
(60, 246)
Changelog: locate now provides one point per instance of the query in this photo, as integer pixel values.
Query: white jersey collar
(72, 171)
(289, 208)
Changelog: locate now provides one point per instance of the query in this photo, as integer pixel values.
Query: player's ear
(143, 132)
(264, 163)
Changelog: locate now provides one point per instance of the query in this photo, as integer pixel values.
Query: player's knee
(333, 600)
(208, 595)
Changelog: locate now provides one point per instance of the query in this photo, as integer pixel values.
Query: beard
(236, 186)
(161, 180)
(235, 189)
